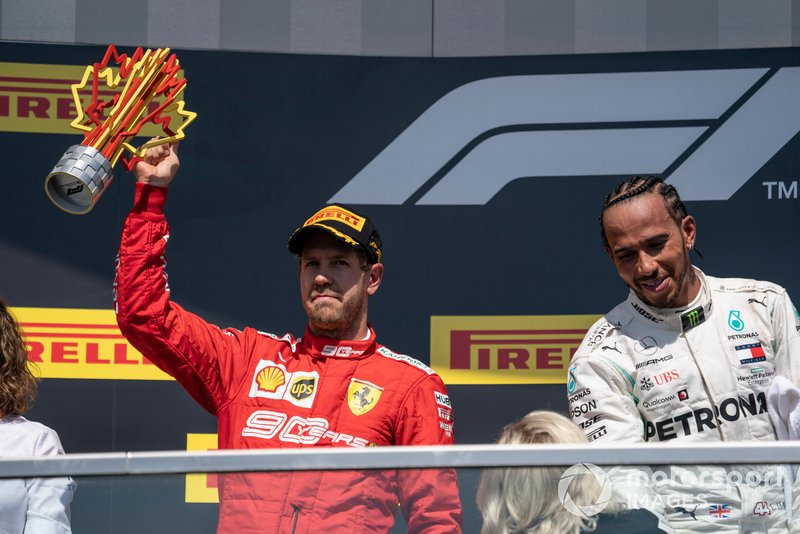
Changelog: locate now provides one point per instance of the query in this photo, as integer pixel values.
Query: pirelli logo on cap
(37, 98)
(533, 349)
(336, 213)
(81, 344)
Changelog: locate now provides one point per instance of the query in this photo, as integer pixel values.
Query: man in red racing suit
(334, 387)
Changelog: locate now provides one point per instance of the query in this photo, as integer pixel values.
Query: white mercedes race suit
(695, 374)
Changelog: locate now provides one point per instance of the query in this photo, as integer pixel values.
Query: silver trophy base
(78, 180)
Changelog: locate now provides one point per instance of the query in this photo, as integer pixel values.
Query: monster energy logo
(693, 318)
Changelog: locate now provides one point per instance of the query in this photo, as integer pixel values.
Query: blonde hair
(524, 500)
(17, 383)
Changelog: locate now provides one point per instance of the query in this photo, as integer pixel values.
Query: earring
(691, 245)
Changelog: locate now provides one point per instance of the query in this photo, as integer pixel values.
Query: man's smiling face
(649, 249)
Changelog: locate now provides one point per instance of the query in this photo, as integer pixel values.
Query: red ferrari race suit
(286, 392)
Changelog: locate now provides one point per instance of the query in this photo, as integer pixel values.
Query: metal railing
(456, 456)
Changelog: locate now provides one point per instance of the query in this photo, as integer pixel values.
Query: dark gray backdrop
(278, 136)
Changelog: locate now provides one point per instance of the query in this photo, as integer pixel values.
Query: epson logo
(586, 407)
(710, 130)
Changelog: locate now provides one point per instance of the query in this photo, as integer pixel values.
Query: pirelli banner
(484, 177)
(66, 343)
(506, 350)
(37, 98)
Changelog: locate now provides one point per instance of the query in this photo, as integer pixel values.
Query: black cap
(342, 222)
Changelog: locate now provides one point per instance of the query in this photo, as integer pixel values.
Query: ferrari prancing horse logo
(362, 396)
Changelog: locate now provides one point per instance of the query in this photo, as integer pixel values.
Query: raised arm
(195, 353)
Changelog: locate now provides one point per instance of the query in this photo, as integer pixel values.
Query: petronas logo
(571, 380)
(735, 320)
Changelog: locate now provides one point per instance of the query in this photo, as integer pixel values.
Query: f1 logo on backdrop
(708, 131)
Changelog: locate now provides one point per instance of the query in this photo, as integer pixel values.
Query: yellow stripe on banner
(37, 98)
(534, 349)
(80, 343)
(201, 487)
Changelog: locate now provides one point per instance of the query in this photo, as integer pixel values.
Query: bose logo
(692, 126)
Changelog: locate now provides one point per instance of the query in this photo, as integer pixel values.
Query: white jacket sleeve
(786, 323)
(49, 499)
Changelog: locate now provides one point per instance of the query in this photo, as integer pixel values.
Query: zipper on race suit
(296, 515)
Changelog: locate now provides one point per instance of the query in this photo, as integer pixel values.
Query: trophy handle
(79, 179)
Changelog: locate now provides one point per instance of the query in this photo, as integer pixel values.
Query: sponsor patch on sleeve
(442, 399)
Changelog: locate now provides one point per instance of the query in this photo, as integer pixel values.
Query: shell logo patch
(362, 396)
(270, 378)
(273, 381)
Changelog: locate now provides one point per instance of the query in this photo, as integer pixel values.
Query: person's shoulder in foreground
(22, 437)
(534, 499)
(30, 505)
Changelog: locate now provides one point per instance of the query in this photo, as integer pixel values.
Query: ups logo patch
(302, 388)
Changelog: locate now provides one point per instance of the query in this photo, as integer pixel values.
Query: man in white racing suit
(685, 357)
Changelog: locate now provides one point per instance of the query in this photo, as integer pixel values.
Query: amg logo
(654, 361)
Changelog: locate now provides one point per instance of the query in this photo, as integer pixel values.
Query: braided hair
(640, 185)
(17, 382)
